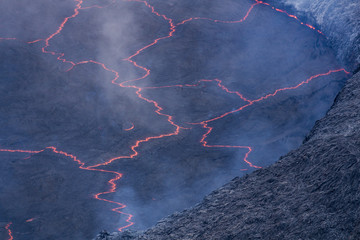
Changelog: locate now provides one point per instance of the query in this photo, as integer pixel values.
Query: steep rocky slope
(340, 22)
(311, 193)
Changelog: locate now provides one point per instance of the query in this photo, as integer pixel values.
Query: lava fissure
(290, 15)
(7, 227)
(130, 128)
(30, 219)
(58, 31)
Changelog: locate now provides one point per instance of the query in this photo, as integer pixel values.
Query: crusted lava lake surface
(115, 114)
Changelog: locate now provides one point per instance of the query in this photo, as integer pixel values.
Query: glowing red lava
(7, 227)
(30, 220)
(158, 109)
(130, 128)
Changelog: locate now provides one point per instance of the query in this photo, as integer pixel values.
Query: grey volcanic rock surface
(311, 193)
(340, 22)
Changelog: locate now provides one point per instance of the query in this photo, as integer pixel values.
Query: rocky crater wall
(339, 21)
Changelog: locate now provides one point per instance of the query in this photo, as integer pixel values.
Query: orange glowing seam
(111, 182)
(130, 128)
(30, 42)
(58, 31)
(31, 220)
(7, 227)
(291, 16)
(221, 21)
(205, 144)
(76, 12)
(90, 168)
(219, 83)
(35, 41)
(20, 151)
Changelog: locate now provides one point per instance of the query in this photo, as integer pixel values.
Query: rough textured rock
(311, 193)
(340, 22)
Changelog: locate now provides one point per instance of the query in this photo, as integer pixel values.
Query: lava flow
(130, 128)
(292, 16)
(30, 220)
(7, 227)
(158, 109)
